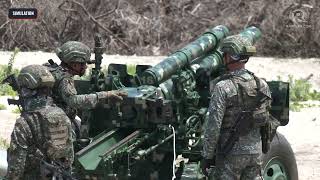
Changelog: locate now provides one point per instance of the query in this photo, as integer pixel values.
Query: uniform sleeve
(212, 125)
(18, 150)
(69, 95)
(266, 91)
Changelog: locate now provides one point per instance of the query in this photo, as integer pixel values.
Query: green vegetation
(301, 90)
(131, 69)
(5, 89)
(4, 144)
(297, 106)
(16, 110)
(3, 107)
(6, 70)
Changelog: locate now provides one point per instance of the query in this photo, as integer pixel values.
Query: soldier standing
(43, 132)
(74, 56)
(238, 108)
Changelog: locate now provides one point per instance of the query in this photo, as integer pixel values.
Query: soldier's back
(235, 101)
(46, 134)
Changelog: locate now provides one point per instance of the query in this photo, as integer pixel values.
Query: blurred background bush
(158, 27)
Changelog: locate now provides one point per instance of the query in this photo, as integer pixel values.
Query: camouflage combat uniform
(65, 94)
(43, 131)
(64, 91)
(244, 159)
(28, 136)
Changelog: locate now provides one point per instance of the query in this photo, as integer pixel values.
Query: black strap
(241, 122)
(235, 134)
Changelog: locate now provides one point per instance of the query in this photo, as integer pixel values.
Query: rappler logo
(300, 15)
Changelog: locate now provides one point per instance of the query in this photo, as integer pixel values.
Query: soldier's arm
(70, 96)
(266, 91)
(212, 127)
(18, 150)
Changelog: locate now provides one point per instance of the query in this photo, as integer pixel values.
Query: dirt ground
(303, 130)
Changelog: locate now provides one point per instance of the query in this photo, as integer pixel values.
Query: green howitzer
(162, 115)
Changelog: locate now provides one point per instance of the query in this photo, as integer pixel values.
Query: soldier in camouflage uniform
(236, 91)
(74, 56)
(43, 131)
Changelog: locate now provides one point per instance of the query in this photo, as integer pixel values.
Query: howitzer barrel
(212, 61)
(209, 63)
(251, 33)
(206, 43)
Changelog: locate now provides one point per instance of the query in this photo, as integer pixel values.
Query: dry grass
(158, 27)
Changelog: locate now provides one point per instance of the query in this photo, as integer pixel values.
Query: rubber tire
(281, 149)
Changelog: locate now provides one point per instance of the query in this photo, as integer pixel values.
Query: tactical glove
(205, 165)
(115, 96)
(111, 97)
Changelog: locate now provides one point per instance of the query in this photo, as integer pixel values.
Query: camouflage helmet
(34, 77)
(241, 46)
(73, 51)
(238, 45)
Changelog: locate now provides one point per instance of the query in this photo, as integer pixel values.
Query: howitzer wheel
(279, 163)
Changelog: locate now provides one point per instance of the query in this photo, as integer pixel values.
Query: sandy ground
(303, 131)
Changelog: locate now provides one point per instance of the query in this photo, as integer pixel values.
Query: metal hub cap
(275, 170)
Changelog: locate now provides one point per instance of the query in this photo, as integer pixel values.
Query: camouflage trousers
(237, 167)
